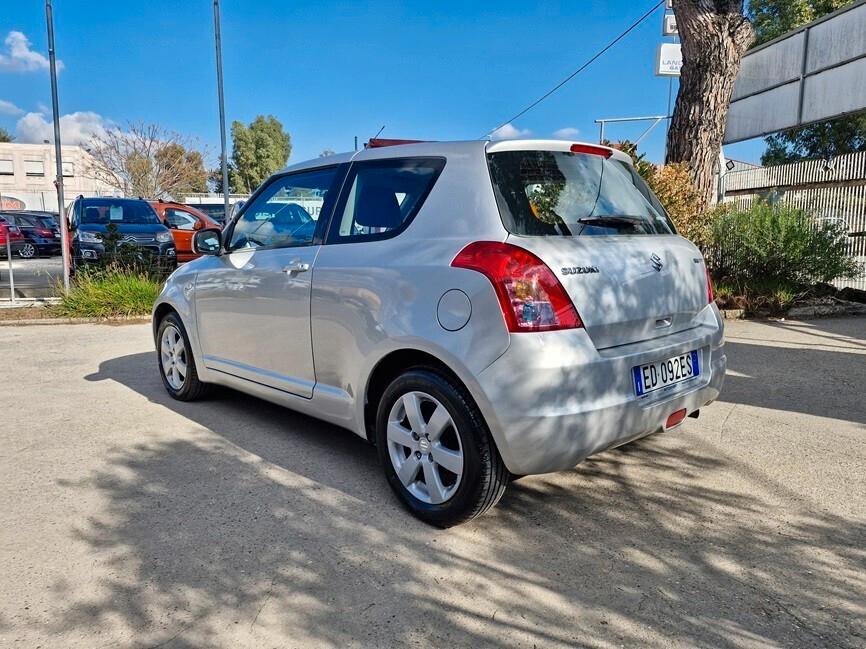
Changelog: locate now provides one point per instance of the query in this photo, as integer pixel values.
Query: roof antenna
(375, 136)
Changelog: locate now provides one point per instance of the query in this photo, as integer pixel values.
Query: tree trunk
(714, 36)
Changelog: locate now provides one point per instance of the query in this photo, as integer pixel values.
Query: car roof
(446, 149)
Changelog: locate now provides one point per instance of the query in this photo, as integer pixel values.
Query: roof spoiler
(378, 142)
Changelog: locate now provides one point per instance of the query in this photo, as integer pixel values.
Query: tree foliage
(672, 184)
(258, 150)
(5, 136)
(146, 160)
(772, 18)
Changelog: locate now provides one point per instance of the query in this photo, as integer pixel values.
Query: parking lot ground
(37, 277)
(131, 520)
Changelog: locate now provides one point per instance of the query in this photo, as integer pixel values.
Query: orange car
(183, 221)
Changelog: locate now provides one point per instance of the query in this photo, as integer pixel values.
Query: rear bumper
(552, 399)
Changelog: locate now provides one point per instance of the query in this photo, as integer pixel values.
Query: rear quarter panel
(371, 298)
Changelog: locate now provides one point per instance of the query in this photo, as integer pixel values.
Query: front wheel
(176, 363)
(436, 449)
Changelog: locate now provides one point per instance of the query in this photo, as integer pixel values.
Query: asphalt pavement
(38, 277)
(131, 520)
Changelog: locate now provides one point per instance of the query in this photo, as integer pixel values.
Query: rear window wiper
(614, 219)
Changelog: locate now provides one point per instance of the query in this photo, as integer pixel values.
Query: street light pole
(61, 204)
(219, 63)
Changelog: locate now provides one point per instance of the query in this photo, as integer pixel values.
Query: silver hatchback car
(477, 310)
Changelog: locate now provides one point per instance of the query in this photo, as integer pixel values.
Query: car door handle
(297, 266)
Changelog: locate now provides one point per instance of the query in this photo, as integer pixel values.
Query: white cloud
(18, 56)
(8, 108)
(567, 133)
(75, 128)
(509, 131)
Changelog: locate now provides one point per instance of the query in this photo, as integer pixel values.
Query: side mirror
(197, 225)
(206, 242)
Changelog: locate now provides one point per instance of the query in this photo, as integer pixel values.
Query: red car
(11, 233)
(183, 221)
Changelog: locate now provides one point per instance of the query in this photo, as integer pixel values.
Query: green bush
(777, 250)
(120, 255)
(109, 292)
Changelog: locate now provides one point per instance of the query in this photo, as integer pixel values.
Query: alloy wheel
(425, 447)
(27, 251)
(173, 357)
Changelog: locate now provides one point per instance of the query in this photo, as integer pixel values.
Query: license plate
(662, 374)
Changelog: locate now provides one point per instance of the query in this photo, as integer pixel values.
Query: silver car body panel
(550, 399)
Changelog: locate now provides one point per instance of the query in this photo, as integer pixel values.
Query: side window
(383, 197)
(179, 219)
(286, 212)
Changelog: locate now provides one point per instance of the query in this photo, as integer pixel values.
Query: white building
(27, 173)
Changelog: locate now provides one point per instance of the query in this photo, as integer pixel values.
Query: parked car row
(37, 233)
(164, 229)
(33, 234)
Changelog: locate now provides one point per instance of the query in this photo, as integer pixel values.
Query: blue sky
(333, 70)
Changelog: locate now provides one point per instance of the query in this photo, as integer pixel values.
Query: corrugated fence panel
(834, 192)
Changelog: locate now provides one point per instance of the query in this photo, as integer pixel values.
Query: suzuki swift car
(477, 310)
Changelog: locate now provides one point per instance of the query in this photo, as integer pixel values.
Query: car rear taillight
(42, 232)
(530, 295)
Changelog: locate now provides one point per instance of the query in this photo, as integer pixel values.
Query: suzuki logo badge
(657, 262)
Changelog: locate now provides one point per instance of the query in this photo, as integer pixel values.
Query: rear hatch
(586, 214)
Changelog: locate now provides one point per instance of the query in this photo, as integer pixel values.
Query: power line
(579, 70)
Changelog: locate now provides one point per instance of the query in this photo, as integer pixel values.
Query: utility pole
(219, 63)
(55, 107)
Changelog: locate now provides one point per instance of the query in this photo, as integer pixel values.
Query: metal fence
(832, 190)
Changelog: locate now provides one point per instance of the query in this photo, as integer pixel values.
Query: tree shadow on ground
(269, 524)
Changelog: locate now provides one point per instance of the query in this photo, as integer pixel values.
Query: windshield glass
(569, 194)
(102, 211)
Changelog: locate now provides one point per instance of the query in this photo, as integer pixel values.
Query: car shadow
(279, 525)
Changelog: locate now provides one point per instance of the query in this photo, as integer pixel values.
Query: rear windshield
(131, 212)
(544, 193)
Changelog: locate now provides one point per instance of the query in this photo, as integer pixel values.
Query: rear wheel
(28, 250)
(436, 450)
(176, 363)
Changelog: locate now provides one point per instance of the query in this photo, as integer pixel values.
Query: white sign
(669, 60)
(669, 26)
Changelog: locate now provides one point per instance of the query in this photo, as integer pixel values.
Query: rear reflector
(591, 150)
(710, 297)
(676, 418)
(530, 295)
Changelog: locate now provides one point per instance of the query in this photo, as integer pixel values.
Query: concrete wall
(24, 185)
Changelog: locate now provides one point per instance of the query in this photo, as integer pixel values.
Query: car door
(183, 225)
(253, 302)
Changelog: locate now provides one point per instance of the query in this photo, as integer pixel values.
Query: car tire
(176, 362)
(28, 251)
(454, 497)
